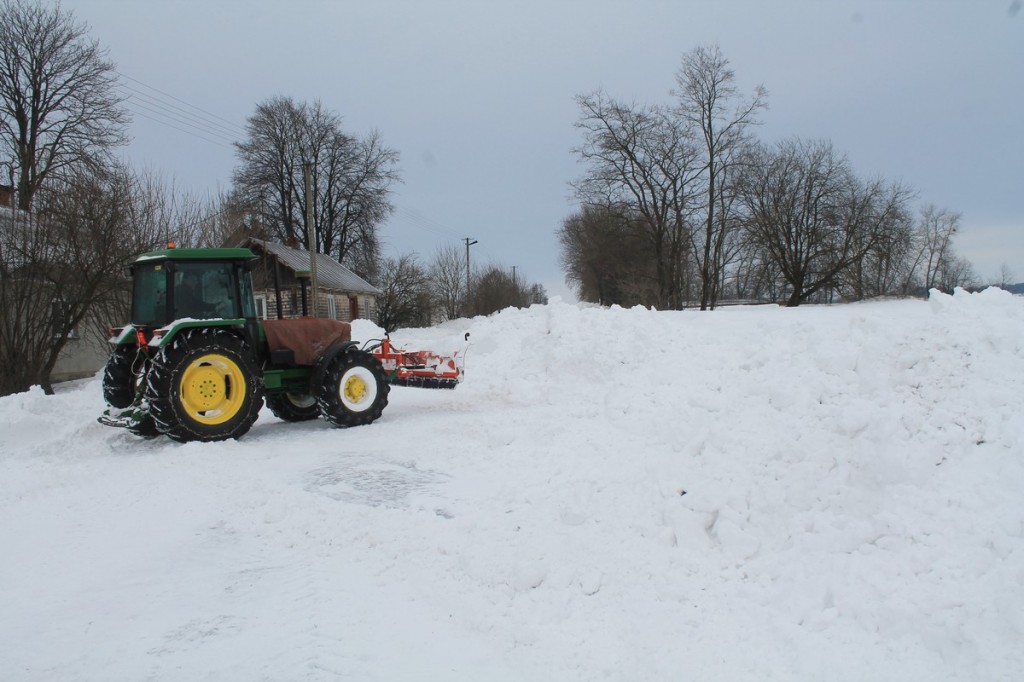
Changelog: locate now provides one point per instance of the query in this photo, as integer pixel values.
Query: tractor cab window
(204, 291)
(149, 296)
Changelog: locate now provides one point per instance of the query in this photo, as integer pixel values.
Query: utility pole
(469, 242)
(307, 171)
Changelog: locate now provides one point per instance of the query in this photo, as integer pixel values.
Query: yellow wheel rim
(212, 389)
(355, 389)
(358, 389)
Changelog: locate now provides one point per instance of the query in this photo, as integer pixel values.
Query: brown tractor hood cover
(306, 337)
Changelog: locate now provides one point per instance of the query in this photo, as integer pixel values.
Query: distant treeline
(680, 205)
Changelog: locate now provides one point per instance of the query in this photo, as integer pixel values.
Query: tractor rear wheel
(293, 407)
(146, 428)
(123, 376)
(354, 390)
(119, 377)
(204, 386)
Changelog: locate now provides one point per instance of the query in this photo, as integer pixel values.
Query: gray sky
(478, 97)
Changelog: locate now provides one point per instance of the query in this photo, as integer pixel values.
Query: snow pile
(756, 493)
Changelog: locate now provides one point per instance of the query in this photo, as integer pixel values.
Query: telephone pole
(469, 242)
(307, 172)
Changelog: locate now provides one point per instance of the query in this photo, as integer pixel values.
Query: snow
(826, 493)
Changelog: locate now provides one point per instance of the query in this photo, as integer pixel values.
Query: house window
(261, 306)
(332, 307)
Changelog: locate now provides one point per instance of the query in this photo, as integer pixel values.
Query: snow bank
(812, 493)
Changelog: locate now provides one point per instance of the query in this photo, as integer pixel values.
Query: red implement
(419, 368)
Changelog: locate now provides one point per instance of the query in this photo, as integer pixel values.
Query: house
(341, 294)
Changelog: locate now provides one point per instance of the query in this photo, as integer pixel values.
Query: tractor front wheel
(204, 386)
(293, 407)
(354, 390)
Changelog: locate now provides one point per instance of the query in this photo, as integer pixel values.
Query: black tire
(354, 390)
(120, 381)
(122, 377)
(145, 428)
(204, 386)
(293, 407)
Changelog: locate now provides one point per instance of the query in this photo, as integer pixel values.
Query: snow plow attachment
(419, 368)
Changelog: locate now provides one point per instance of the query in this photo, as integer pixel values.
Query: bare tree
(590, 241)
(1006, 277)
(270, 176)
(884, 267)
(536, 295)
(494, 290)
(351, 177)
(63, 269)
(709, 103)
(934, 234)
(955, 271)
(812, 217)
(606, 257)
(448, 280)
(213, 221)
(642, 160)
(496, 287)
(405, 299)
(58, 105)
(755, 275)
(889, 264)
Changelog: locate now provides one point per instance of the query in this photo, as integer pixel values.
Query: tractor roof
(197, 254)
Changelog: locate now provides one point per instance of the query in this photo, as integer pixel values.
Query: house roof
(330, 274)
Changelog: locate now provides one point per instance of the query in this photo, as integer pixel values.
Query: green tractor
(196, 363)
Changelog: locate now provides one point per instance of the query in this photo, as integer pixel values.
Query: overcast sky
(477, 97)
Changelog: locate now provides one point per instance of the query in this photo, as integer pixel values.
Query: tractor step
(122, 419)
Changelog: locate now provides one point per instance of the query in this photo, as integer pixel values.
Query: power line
(160, 117)
(230, 124)
(424, 223)
(153, 103)
(414, 218)
(199, 122)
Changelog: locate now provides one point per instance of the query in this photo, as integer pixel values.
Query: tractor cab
(197, 284)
